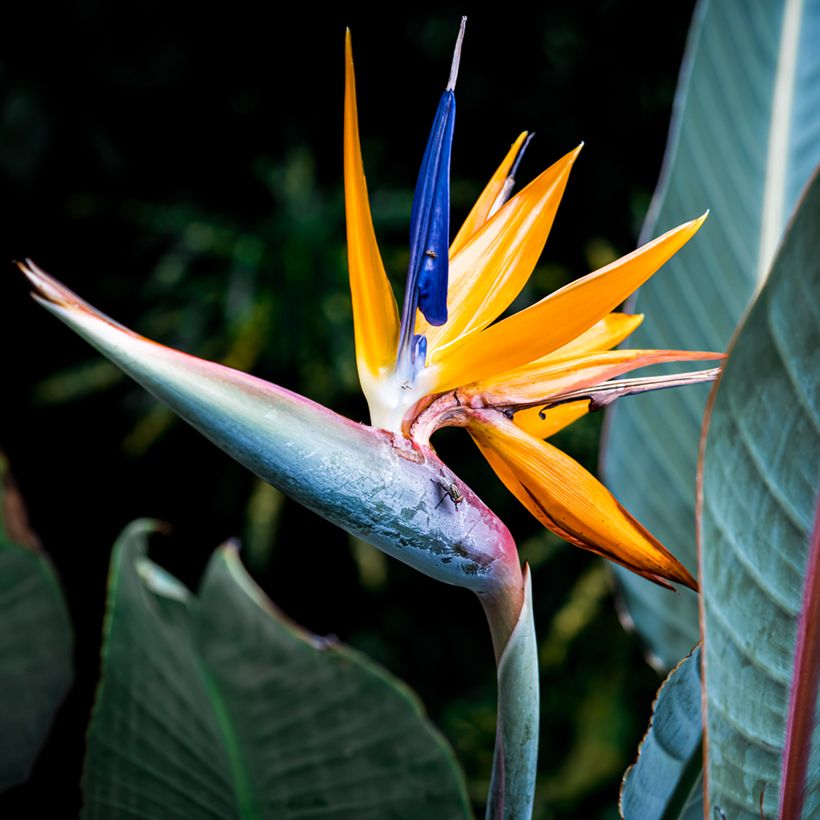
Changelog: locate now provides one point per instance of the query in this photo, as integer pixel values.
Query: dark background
(181, 169)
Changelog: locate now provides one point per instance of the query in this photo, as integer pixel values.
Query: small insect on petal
(451, 490)
(543, 424)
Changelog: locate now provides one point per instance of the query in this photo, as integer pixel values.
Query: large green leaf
(760, 480)
(743, 142)
(665, 781)
(35, 641)
(217, 707)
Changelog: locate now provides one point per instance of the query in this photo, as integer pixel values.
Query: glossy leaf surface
(743, 143)
(760, 479)
(216, 706)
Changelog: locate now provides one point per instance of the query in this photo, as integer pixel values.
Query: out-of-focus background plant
(183, 172)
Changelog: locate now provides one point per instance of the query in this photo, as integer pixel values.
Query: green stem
(512, 786)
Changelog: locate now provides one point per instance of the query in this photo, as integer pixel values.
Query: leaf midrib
(246, 802)
(777, 157)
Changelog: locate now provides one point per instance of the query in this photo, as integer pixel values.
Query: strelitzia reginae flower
(445, 361)
(515, 382)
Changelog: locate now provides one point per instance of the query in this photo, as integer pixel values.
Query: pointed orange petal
(549, 376)
(603, 335)
(555, 419)
(481, 210)
(375, 316)
(492, 267)
(571, 502)
(556, 319)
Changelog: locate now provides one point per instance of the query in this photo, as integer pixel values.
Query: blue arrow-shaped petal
(430, 220)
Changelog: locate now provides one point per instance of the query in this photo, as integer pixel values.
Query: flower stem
(512, 786)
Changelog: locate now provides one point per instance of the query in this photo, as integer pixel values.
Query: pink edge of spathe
(801, 718)
(50, 291)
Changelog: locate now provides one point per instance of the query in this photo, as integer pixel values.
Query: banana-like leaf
(216, 706)
(35, 641)
(666, 779)
(743, 142)
(759, 485)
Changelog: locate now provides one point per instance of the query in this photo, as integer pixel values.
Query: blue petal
(419, 352)
(430, 219)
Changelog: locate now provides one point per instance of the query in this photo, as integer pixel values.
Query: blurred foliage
(35, 639)
(182, 171)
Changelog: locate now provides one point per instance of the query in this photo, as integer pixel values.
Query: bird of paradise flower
(445, 362)
(517, 382)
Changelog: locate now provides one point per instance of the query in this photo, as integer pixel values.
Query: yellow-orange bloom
(516, 381)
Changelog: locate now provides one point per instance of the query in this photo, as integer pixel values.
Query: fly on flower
(513, 383)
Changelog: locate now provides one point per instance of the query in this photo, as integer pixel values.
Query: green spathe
(377, 485)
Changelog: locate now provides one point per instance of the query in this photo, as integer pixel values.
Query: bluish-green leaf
(216, 706)
(745, 137)
(35, 642)
(760, 480)
(693, 807)
(665, 782)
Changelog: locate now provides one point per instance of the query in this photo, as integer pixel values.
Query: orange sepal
(491, 268)
(549, 376)
(571, 502)
(555, 419)
(554, 321)
(480, 212)
(605, 334)
(375, 315)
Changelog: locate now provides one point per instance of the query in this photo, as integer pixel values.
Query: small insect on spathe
(450, 489)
